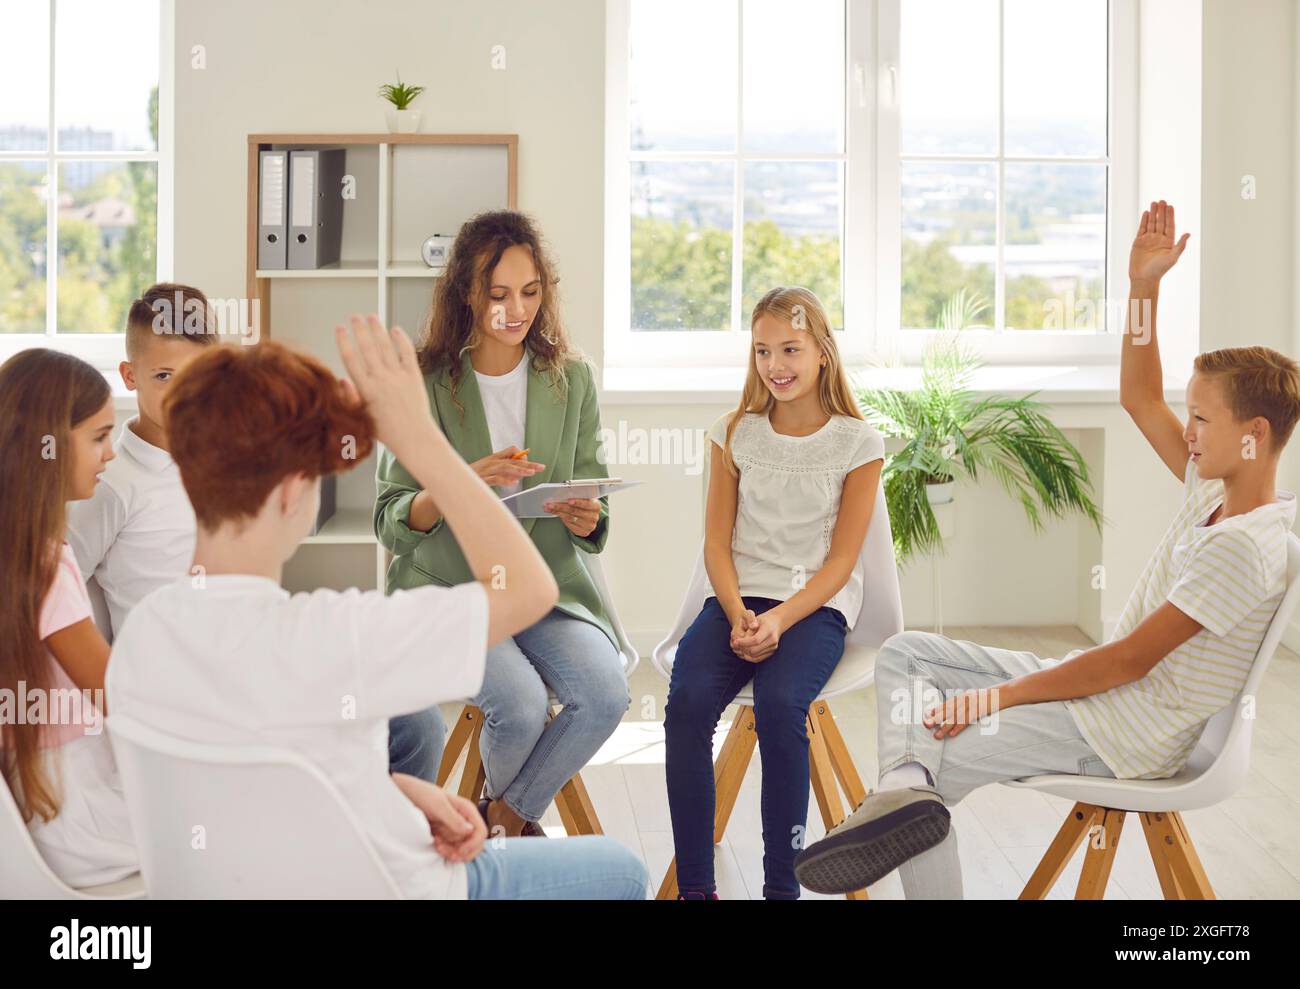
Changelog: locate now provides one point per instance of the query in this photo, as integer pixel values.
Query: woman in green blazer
(520, 406)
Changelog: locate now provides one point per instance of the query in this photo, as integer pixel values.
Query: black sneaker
(887, 829)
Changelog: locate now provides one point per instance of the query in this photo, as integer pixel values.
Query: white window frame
(871, 235)
(104, 350)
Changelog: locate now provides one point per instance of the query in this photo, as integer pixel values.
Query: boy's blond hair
(171, 310)
(1258, 381)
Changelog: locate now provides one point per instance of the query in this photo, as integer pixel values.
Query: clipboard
(527, 504)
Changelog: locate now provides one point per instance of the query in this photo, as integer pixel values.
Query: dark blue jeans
(707, 675)
(415, 743)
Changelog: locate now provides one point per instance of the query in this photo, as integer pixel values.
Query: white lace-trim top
(788, 502)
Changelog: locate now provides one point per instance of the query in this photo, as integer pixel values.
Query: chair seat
(1177, 793)
(856, 669)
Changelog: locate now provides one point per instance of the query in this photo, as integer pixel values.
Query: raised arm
(383, 368)
(1141, 380)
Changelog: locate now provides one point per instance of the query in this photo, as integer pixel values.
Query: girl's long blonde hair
(801, 308)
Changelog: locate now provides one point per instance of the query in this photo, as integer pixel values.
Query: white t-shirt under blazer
(505, 401)
(238, 660)
(788, 501)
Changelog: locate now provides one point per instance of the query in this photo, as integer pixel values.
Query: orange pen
(519, 456)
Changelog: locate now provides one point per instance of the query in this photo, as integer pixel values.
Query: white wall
(551, 94)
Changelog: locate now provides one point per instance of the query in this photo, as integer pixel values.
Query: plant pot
(940, 494)
(403, 121)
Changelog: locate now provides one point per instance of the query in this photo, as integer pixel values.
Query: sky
(107, 64)
(684, 65)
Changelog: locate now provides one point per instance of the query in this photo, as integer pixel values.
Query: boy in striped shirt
(1133, 708)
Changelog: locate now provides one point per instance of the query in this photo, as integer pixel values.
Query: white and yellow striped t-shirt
(1229, 577)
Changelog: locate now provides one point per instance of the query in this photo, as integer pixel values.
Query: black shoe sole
(861, 856)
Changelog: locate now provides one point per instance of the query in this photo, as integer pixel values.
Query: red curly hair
(242, 419)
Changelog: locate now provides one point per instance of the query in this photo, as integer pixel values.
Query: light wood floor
(1249, 844)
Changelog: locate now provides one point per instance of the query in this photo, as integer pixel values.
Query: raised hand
(385, 372)
(1154, 249)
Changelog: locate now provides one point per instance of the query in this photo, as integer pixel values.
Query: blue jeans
(527, 758)
(707, 675)
(415, 743)
(591, 867)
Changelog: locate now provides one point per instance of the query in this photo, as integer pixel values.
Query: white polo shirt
(240, 661)
(136, 533)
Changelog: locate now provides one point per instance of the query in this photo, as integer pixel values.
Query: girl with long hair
(518, 402)
(56, 420)
(794, 472)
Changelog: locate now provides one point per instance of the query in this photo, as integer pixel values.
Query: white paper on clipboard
(528, 504)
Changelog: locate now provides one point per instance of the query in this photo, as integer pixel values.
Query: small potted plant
(951, 433)
(401, 118)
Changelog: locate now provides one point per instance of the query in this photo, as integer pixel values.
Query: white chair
(240, 822)
(880, 616)
(1215, 771)
(25, 876)
(573, 803)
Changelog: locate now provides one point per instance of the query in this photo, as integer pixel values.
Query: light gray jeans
(917, 669)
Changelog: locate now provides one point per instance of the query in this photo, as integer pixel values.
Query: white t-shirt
(89, 841)
(1230, 578)
(240, 661)
(788, 501)
(505, 402)
(136, 533)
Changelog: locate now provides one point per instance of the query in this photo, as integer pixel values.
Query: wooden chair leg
(841, 761)
(474, 777)
(1184, 864)
(1059, 853)
(1103, 843)
(728, 772)
(823, 777)
(466, 728)
(576, 810)
(1155, 844)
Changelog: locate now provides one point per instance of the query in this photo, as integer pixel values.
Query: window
(80, 162)
(1003, 165)
(888, 154)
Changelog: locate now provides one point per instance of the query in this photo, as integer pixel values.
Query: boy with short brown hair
(1134, 707)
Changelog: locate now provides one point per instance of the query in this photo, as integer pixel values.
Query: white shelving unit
(407, 186)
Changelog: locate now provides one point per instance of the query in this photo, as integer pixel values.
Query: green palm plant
(400, 95)
(951, 433)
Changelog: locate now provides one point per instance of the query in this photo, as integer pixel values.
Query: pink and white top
(65, 604)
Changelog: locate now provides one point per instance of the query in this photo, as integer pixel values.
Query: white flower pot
(403, 121)
(940, 494)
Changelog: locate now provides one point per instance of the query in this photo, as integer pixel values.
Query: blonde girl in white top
(793, 480)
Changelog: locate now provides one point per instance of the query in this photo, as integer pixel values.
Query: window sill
(1065, 384)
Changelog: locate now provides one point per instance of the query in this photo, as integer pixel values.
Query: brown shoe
(532, 830)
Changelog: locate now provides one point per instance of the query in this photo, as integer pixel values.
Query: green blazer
(561, 432)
